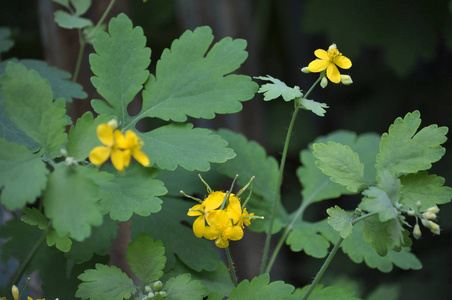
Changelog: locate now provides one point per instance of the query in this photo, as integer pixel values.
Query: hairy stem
(231, 266)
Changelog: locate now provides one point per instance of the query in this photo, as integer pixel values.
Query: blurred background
(401, 54)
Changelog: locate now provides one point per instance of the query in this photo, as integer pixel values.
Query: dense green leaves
(180, 287)
(32, 108)
(135, 191)
(277, 88)
(146, 258)
(120, 81)
(105, 283)
(402, 150)
(191, 81)
(181, 144)
(23, 175)
(261, 288)
(341, 164)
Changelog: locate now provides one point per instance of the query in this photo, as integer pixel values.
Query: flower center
(333, 53)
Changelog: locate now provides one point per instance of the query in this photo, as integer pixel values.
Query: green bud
(151, 295)
(147, 289)
(429, 215)
(411, 212)
(15, 292)
(305, 70)
(158, 285)
(434, 227)
(425, 223)
(417, 232)
(324, 82)
(346, 80)
(433, 209)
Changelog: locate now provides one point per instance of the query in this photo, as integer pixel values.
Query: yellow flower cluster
(118, 146)
(220, 218)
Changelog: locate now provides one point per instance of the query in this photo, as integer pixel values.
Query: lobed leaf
(105, 282)
(81, 6)
(135, 191)
(61, 243)
(146, 258)
(314, 106)
(33, 216)
(334, 292)
(5, 42)
(402, 150)
(119, 82)
(193, 80)
(68, 21)
(384, 236)
(341, 164)
(277, 89)
(32, 108)
(182, 287)
(23, 175)
(261, 288)
(340, 220)
(181, 144)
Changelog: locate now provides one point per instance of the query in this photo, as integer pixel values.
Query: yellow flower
(329, 61)
(117, 146)
(222, 228)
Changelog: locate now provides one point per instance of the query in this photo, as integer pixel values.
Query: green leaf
(32, 109)
(5, 42)
(385, 291)
(402, 150)
(71, 200)
(428, 189)
(59, 80)
(358, 251)
(312, 238)
(278, 89)
(178, 238)
(341, 164)
(65, 3)
(190, 81)
(68, 21)
(334, 292)
(120, 81)
(135, 191)
(261, 288)
(98, 242)
(83, 137)
(181, 288)
(314, 106)
(105, 283)
(33, 216)
(146, 258)
(62, 243)
(340, 220)
(181, 144)
(81, 6)
(252, 160)
(23, 175)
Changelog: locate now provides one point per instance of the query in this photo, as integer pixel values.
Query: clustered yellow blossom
(328, 61)
(118, 146)
(221, 217)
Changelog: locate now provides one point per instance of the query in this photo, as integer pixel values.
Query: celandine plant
(67, 191)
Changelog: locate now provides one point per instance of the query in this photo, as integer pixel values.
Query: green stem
(323, 269)
(280, 178)
(101, 20)
(18, 274)
(231, 266)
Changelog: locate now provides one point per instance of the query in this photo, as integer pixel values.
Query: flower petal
(234, 209)
(127, 156)
(99, 155)
(117, 158)
(234, 233)
(322, 54)
(195, 210)
(120, 139)
(105, 134)
(318, 65)
(333, 73)
(198, 226)
(342, 62)
(140, 157)
(214, 200)
(222, 242)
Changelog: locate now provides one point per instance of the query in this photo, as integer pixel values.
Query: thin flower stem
(18, 274)
(231, 266)
(277, 195)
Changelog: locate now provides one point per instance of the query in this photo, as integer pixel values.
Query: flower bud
(434, 227)
(332, 46)
(147, 289)
(70, 161)
(433, 209)
(324, 82)
(429, 215)
(418, 204)
(305, 70)
(15, 292)
(425, 223)
(113, 123)
(417, 232)
(158, 285)
(346, 80)
(151, 295)
(411, 213)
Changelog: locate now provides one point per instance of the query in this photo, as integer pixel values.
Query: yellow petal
(333, 73)
(198, 226)
(194, 211)
(127, 156)
(99, 155)
(140, 157)
(105, 134)
(234, 233)
(120, 139)
(132, 138)
(342, 62)
(214, 201)
(322, 54)
(221, 242)
(234, 209)
(210, 233)
(117, 158)
(318, 65)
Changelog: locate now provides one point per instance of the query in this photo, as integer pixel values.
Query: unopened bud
(434, 227)
(429, 215)
(151, 295)
(418, 204)
(163, 293)
(324, 82)
(433, 209)
(15, 292)
(346, 80)
(70, 161)
(113, 123)
(147, 289)
(411, 213)
(426, 223)
(332, 46)
(305, 70)
(417, 232)
(158, 285)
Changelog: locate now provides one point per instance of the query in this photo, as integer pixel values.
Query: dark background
(401, 54)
